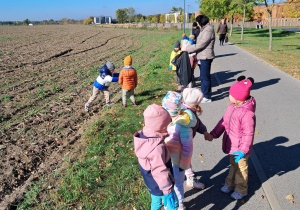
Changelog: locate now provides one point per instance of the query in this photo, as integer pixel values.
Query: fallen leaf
(262, 197)
(242, 201)
(97, 180)
(136, 190)
(156, 96)
(48, 123)
(289, 197)
(256, 132)
(200, 156)
(62, 182)
(112, 150)
(141, 123)
(293, 202)
(49, 187)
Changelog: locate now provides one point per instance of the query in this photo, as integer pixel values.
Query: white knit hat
(192, 96)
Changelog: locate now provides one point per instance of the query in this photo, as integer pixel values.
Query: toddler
(128, 80)
(238, 126)
(180, 140)
(154, 158)
(102, 82)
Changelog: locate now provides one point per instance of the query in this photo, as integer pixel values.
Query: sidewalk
(276, 145)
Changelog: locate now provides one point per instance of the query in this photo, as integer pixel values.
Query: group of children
(164, 146)
(127, 79)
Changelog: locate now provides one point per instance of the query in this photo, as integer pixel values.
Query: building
(174, 17)
(102, 20)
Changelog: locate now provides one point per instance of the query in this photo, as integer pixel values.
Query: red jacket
(238, 125)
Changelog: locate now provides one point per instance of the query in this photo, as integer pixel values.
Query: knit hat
(176, 44)
(240, 90)
(172, 102)
(110, 65)
(184, 36)
(128, 61)
(192, 96)
(156, 118)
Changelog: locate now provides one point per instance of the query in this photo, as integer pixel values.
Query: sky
(19, 10)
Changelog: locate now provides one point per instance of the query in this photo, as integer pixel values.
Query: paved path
(276, 146)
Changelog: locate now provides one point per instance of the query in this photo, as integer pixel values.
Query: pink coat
(238, 125)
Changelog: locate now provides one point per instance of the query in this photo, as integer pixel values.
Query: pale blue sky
(79, 9)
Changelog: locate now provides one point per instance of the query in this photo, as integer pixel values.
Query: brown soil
(45, 77)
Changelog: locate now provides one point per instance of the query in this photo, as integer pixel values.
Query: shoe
(181, 207)
(134, 104)
(226, 189)
(108, 104)
(237, 195)
(86, 108)
(206, 100)
(192, 182)
(123, 105)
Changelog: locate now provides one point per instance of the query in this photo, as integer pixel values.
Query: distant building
(175, 18)
(102, 20)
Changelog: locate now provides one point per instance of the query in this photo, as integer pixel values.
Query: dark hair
(202, 20)
(195, 24)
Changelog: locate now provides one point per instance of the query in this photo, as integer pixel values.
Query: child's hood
(104, 71)
(186, 118)
(128, 71)
(143, 147)
(249, 104)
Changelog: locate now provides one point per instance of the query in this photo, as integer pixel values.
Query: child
(128, 81)
(174, 53)
(102, 82)
(238, 125)
(192, 56)
(154, 158)
(192, 97)
(180, 140)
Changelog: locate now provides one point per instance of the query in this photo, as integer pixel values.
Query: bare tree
(269, 9)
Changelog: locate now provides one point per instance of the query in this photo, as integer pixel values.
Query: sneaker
(134, 104)
(123, 105)
(86, 107)
(192, 182)
(181, 207)
(237, 195)
(226, 189)
(109, 104)
(206, 100)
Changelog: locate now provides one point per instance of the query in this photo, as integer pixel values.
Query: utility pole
(184, 17)
(188, 17)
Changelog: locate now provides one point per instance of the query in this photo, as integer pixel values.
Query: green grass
(106, 174)
(285, 52)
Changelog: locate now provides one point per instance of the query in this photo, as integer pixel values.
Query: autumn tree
(87, 21)
(216, 9)
(153, 19)
(142, 19)
(121, 15)
(192, 18)
(26, 22)
(181, 18)
(162, 18)
(269, 9)
(130, 14)
(171, 18)
(292, 8)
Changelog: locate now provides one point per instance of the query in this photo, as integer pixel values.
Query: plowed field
(46, 76)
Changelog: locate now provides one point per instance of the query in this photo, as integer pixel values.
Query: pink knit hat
(156, 118)
(240, 90)
(192, 96)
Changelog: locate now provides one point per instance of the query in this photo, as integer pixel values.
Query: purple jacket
(154, 163)
(239, 126)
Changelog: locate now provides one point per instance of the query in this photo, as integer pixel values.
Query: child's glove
(169, 200)
(170, 67)
(238, 155)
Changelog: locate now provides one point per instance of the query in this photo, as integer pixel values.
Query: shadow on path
(224, 55)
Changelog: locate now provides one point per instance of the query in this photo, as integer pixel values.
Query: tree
(121, 15)
(215, 9)
(171, 18)
(130, 14)
(181, 17)
(162, 18)
(192, 18)
(153, 19)
(173, 10)
(269, 9)
(87, 21)
(292, 8)
(142, 19)
(26, 22)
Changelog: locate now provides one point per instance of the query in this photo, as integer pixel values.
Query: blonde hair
(197, 107)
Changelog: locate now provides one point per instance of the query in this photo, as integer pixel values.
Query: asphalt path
(274, 169)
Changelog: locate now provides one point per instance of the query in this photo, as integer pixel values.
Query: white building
(102, 20)
(176, 17)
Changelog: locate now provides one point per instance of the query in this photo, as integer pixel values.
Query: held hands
(208, 136)
(238, 155)
(169, 200)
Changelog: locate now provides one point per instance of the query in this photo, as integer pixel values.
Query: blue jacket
(105, 78)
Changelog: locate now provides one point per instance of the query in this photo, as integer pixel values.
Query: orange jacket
(128, 78)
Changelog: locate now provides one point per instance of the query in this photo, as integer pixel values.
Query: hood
(128, 71)
(249, 104)
(186, 118)
(144, 146)
(104, 71)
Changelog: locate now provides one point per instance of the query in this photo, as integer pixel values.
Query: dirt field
(46, 76)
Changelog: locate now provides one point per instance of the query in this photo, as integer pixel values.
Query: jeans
(179, 180)
(156, 203)
(205, 77)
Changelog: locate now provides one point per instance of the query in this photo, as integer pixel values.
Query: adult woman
(204, 48)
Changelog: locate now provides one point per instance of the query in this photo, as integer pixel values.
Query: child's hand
(208, 136)
(238, 155)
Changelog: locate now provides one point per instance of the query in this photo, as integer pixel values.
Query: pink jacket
(155, 162)
(239, 126)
